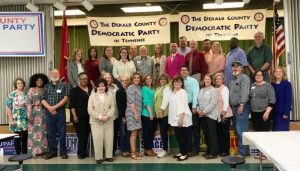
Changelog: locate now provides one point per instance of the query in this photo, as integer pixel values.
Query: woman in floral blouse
(16, 111)
(37, 133)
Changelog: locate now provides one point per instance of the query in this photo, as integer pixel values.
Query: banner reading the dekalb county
(125, 31)
(22, 34)
(222, 25)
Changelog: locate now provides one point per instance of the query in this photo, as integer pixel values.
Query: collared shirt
(236, 54)
(55, 93)
(239, 89)
(191, 86)
(258, 56)
(184, 52)
(144, 65)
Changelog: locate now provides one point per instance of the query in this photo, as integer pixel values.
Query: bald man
(55, 96)
(144, 64)
(259, 57)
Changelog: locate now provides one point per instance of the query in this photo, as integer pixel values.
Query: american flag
(278, 38)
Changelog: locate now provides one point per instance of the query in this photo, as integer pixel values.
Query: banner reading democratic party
(125, 31)
(22, 34)
(222, 25)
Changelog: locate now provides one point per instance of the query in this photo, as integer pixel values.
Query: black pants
(149, 128)
(212, 136)
(224, 136)
(258, 123)
(164, 126)
(82, 129)
(182, 135)
(21, 142)
(203, 126)
(194, 133)
(116, 133)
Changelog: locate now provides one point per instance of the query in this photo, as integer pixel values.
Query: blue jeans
(124, 137)
(241, 123)
(56, 124)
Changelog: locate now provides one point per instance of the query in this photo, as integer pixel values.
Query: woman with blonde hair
(159, 61)
(225, 113)
(283, 104)
(75, 67)
(217, 62)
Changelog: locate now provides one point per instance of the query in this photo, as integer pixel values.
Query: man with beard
(207, 50)
(235, 54)
(55, 96)
(183, 49)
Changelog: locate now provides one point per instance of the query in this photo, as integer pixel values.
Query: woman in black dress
(79, 115)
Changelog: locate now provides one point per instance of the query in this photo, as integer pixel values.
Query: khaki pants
(103, 134)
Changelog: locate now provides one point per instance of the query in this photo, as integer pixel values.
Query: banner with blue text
(222, 25)
(125, 31)
(22, 34)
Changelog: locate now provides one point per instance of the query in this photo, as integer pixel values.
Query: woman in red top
(92, 66)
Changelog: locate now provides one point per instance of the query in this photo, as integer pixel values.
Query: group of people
(110, 97)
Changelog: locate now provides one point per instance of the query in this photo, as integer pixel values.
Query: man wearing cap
(238, 98)
(259, 57)
(235, 54)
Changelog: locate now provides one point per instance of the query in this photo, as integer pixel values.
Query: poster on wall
(22, 34)
(125, 31)
(222, 25)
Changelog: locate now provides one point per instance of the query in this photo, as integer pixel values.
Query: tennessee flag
(64, 50)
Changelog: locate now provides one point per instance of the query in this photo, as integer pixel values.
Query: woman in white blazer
(101, 109)
(180, 116)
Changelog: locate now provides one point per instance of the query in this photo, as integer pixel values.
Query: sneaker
(162, 154)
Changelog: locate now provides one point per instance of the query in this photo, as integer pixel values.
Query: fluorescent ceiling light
(60, 6)
(32, 7)
(246, 1)
(142, 9)
(223, 5)
(87, 5)
(69, 12)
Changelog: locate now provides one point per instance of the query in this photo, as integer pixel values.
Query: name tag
(138, 62)
(58, 91)
(252, 88)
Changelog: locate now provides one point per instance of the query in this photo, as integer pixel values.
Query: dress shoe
(150, 153)
(99, 161)
(109, 159)
(176, 156)
(211, 156)
(182, 158)
(64, 156)
(49, 155)
(193, 153)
